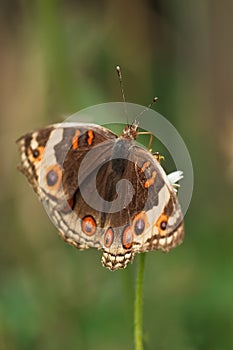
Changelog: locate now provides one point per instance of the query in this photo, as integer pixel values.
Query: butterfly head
(130, 131)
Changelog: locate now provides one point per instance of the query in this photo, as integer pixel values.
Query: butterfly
(102, 190)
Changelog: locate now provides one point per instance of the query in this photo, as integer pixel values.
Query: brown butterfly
(102, 190)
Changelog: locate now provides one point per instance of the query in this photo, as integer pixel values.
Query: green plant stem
(138, 335)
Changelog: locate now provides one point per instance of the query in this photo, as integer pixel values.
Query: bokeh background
(57, 57)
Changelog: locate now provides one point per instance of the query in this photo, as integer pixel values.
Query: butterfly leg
(151, 138)
(157, 156)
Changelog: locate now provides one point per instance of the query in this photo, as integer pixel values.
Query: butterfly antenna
(118, 69)
(155, 99)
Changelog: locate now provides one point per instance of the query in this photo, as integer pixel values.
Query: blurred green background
(57, 57)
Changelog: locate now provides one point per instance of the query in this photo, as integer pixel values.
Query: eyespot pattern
(88, 225)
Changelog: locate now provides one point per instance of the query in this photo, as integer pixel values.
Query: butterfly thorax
(130, 132)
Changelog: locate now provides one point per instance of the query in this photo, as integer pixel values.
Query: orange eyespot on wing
(161, 224)
(108, 237)
(88, 225)
(127, 237)
(53, 177)
(140, 223)
(35, 155)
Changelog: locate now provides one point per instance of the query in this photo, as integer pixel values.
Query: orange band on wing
(150, 181)
(145, 165)
(90, 137)
(75, 139)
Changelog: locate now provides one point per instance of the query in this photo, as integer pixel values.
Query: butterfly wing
(152, 220)
(50, 159)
